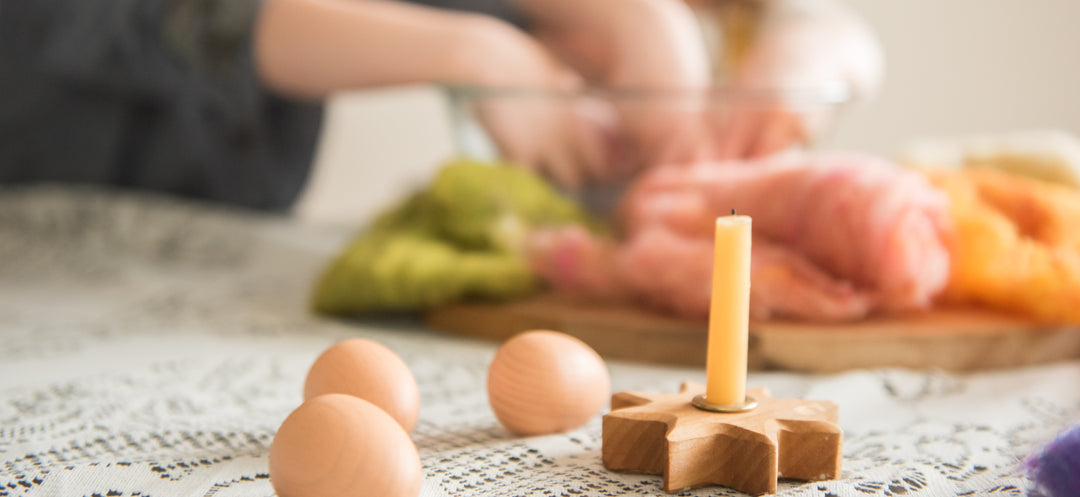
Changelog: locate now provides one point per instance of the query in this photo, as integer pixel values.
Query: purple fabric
(1056, 468)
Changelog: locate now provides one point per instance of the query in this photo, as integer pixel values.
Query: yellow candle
(729, 313)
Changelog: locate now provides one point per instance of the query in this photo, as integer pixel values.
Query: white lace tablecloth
(151, 348)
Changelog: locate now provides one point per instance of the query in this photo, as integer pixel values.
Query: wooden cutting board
(950, 339)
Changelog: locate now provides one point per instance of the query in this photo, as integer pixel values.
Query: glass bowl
(592, 142)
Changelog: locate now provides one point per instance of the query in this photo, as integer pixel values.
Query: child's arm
(635, 44)
(314, 47)
(624, 43)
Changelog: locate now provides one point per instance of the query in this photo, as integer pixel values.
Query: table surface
(152, 347)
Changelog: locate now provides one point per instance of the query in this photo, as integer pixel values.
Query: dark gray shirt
(153, 94)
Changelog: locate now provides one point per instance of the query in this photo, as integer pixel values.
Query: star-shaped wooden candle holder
(665, 434)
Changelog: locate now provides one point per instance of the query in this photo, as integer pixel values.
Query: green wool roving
(460, 238)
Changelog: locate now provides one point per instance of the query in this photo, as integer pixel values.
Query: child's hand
(530, 108)
(804, 44)
(650, 45)
(565, 138)
(311, 48)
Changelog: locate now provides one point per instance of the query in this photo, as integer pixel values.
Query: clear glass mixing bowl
(605, 137)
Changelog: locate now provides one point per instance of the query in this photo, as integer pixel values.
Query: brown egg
(368, 370)
(338, 445)
(546, 382)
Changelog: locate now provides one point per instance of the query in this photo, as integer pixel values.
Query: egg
(367, 369)
(546, 382)
(339, 445)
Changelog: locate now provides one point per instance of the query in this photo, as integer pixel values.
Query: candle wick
(732, 212)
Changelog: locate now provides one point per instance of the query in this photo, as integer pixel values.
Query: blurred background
(953, 68)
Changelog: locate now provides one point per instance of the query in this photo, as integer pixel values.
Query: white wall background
(955, 67)
(375, 147)
(969, 66)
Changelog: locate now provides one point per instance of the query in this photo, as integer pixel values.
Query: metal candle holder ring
(700, 403)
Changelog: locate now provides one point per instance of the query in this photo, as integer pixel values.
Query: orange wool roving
(1015, 245)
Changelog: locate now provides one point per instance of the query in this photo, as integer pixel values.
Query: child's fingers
(559, 164)
(776, 131)
(591, 130)
(734, 135)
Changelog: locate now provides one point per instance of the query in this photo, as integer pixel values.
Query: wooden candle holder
(664, 434)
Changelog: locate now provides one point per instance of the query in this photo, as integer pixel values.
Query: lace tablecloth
(150, 348)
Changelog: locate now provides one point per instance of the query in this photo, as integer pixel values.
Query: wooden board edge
(949, 339)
